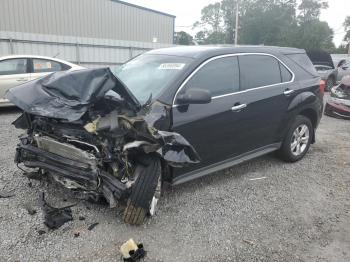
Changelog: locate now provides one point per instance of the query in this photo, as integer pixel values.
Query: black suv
(169, 115)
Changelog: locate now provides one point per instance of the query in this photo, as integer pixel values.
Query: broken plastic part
(131, 251)
(55, 217)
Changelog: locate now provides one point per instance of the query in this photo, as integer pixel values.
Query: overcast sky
(187, 12)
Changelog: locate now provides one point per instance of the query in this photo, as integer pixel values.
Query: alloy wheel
(300, 140)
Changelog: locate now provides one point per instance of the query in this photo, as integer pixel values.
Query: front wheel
(298, 139)
(144, 193)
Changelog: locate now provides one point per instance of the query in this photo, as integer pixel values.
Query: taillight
(322, 86)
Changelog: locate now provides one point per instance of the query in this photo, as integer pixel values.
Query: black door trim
(225, 164)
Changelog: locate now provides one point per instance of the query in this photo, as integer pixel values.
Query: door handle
(287, 92)
(238, 107)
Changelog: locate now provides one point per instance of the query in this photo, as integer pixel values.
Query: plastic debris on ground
(131, 251)
(55, 217)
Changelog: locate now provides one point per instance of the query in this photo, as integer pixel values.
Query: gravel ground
(299, 212)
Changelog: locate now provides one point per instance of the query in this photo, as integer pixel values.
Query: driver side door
(210, 128)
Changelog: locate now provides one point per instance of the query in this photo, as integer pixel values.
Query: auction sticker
(171, 66)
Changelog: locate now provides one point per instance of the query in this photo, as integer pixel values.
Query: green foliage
(347, 29)
(183, 38)
(267, 22)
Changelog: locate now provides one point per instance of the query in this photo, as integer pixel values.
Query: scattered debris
(41, 232)
(55, 217)
(248, 242)
(92, 226)
(30, 209)
(81, 218)
(76, 234)
(258, 178)
(4, 194)
(131, 251)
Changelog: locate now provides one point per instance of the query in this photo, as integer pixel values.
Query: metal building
(88, 32)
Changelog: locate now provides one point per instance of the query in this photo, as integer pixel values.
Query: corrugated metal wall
(86, 18)
(92, 33)
(89, 52)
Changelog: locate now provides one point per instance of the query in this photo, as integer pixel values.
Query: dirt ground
(298, 212)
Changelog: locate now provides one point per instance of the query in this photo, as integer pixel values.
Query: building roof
(144, 8)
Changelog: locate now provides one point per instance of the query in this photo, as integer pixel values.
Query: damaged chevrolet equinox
(170, 115)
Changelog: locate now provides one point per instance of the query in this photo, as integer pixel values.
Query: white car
(18, 69)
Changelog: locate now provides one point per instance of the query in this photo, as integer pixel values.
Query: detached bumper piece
(337, 110)
(72, 173)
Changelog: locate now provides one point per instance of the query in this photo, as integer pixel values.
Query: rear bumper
(90, 179)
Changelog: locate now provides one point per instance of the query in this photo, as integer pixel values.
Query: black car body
(170, 115)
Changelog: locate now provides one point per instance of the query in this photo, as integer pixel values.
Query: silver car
(18, 69)
(343, 68)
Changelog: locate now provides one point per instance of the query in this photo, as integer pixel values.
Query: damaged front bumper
(79, 171)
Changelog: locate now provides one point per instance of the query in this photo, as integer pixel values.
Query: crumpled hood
(68, 94)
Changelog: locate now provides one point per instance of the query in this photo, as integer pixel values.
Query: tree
(183, 38)
(267, 22)
(311, 10)
(346, 25)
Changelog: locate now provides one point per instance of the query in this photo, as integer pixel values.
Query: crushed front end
(91, 139)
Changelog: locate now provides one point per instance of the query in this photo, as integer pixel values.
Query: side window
(286, 75)
(13, 66)
(258, 70)
(43, 66)
(220, 76)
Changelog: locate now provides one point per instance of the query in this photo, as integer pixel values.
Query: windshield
(147, 75)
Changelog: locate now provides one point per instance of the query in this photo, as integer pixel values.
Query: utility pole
(236, 29)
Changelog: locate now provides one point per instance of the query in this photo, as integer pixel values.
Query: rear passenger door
(43, 67)
(266, 88)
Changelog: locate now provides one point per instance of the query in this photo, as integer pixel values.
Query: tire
(288, 152)
(143, 190)
(330, 83)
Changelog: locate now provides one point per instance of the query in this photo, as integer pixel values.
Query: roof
(204, 50)
(144, 8)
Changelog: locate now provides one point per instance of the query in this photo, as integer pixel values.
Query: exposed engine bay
(87, 131)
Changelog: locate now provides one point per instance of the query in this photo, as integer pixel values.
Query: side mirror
(194, 96)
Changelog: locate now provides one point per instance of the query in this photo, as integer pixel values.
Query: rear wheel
(298, 140)
(144, 195)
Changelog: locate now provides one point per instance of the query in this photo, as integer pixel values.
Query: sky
(187, 12)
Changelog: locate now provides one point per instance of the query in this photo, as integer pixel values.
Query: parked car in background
(18, 69)
(324, 66)
(343, 68)
(169, 115)
(338, 104)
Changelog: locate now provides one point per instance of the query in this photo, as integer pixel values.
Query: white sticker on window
(171, 66)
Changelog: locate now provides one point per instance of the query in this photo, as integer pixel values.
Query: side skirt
(225, 164)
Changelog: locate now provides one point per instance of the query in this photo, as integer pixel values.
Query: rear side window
(286, 75)
(220, 77)
(13, 66)
(304, 62)
(259, 70)
(43, 66)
